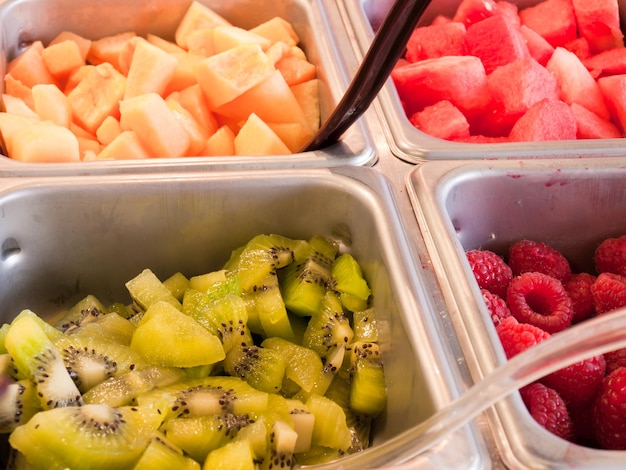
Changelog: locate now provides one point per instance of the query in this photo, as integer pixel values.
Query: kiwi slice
(177, 284)
(330, 428)
(282, 443)
(349, 283)
(162, 453)
(267, 308)
(235, 454)
(84, 311)
(364, 325)
(110, 327)
(368, 392)
(146, 289)
(262, 368)
(329, 328)
(303, 422)
(18, 403)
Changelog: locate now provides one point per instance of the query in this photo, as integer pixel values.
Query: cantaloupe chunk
(108, 48)
(197, 135)
(192, 99)
(293, 134)
(125, 146)
(79, 132)
(221, 143)
(14, 105)
(277, 29)
(108, 130)
(307, 95)
(125, 57)
(184, 74)
(52, 105)
(200, 42)
(16, 88)
(197, 16)
(228, 37)
(97, 96)
(257, 138)
(150, 70)
(226, 75)
(277, 51)
(29, 68)
(296, 70)
(155, 124)
(87, 146)
(62, 58)
(83, 43)
(167, 46)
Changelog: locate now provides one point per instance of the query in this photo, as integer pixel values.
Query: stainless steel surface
(414, 146)
(571, 204)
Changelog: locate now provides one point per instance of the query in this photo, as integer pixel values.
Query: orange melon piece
(126, 146)
(167, 46)
(108, 48)
(62, 58)
(200, 42)
(308, 97)
(108, 130)
(29, 68)
(16, 88)
(296, 70)
(14, 105)
(150, 70)
(257, 138)
(226, 75)
(79, 132)
(155, 124)
(227, 37)
(197, 135)
(192, 99)
(83, 43)
(277, 29)
(277, 51)
(97, 96)
(125, 56)
(77, 77)
(87, 147)
(293, 134)
(221, 143)
(184, 74)
(52, 105)
(197, 16)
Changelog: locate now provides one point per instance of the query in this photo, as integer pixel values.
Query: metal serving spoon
(597, 336)
(386, 48)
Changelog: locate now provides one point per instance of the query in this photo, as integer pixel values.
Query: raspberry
(528, 256)
(577, 384)
(609, 411)
(496, 305)
(579, 290)
(548, 408)
(610, 256)
(540, 300)
(517, 337)
(609, 292)
(615, 359)
(490, 271)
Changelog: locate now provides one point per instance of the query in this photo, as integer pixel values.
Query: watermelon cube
(540, 49)
(496, 41)
(546, 120)
(459, 79)
(576, 85)
(580, 47)
(508, 10)
(612, 61)
(429, 42)
(472, 11)
(614, 90)
(598, 22)
(591, 126)
(442, 120)
(552, 19)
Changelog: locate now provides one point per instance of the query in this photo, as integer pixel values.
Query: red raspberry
(528, 256)
(577, 384)
(609, 292)
(517, 337)
(496, 306)
(579, 290)
(615, 359)
(610, 256)
(609, 411)
(548, 408)
(540, 300)
(490, 271)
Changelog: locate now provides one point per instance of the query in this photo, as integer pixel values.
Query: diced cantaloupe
(97, 96)
(294, 135)
(277, 29)
(16, 88)
(226, 75)
(296, 70)
(151, 69)
(29, 67)
(308, 97)
(155, 124)
(126, 146)
(184, 73)
(167, 46)
(125, 57)
(197, 16)
(62, 58)
(108, 130)
(14, 105)
(87, 146)
(221, 143)
(197, 134)
(83, 43)
(256, 138)
(277, 51)
(79, 132)
(108, 48)
(200, 42)
(227, 37)
(193, 101)
(52, 105)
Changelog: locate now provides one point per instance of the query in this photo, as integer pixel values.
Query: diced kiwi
(146, 289)
(18, 403)
(329, 328)
(203, 282)
(364, 325)
(50, 331)
(257, 435)
(330, 428)
(82, 312)
(303, 422)
(262, 368)
(234, 454)
(110, 327)
(349, 282)
(282, 444)
(265, 302)
(177, 284)
(368, 394)
(161, 453)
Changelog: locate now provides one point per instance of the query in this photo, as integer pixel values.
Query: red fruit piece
(548, 408)
(517, 337)
(497, 307)
(545, 121)
(442, 120)
(613, 89)
(615, 359)
(552, 19)
(540, 49)
(496, 41)
(591, 126)
(429, 42)
(580, 48)
(612, 61)
(531, 255)
(609, 411)
(598, 22)
(579, 290)
(610, 256)
(490, 271)
(472, 11)
(577, 384)
(540, 300)
(609, 292)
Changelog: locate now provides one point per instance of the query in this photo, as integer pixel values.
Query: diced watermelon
(540, 49)
(612, 61)
(576, 85)
(458, 79)
(598, 22)
(472, 11)
(546, 120)
(442, 120)
(614, 90)
(591, 126)
(508, 10)
(429, 42)
(496, 41)
(552, 19)
(441, 19)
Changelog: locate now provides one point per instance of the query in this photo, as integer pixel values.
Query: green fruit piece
(203, 282)
(177, 284)
(147, 289)
(82, 312)
(123, 389)
(348, 280)
(262, 368)
(257, 436)
(330, 428)
(304, 283)
(329, 328)
(110, 327)
(233, 455)
(36, 357)
(18, 403)
(364, 326)
(165, 336)
(124, 311)
(4, 329)
(303, 422)
(51, 332)
(265, 303)
(161, 453)
(368, 394)
(282, 444)
(85, 437)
